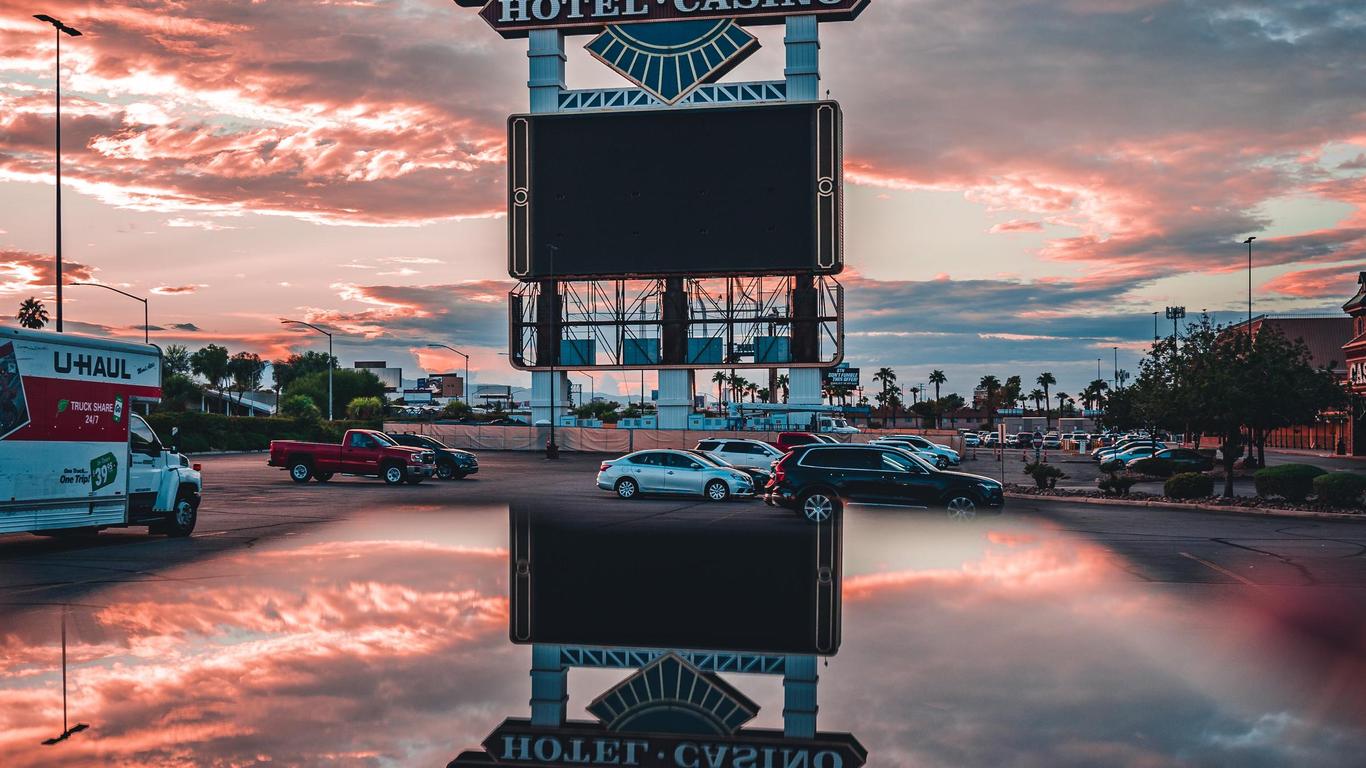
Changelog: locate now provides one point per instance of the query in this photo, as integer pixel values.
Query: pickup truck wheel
(300, 471)
(322, 477)
(393, 474)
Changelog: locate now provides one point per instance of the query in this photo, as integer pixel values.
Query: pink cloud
(1324, 283)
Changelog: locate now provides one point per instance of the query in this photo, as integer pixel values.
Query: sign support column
(802, 43)
(545, 52)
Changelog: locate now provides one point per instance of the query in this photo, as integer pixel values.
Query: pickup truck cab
(365, 452)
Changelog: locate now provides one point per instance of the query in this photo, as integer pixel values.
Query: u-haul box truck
(73, 455)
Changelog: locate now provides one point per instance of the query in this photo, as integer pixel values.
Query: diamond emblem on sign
(671, 59)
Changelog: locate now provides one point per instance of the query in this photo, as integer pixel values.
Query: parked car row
(395, 458)
(814, 477)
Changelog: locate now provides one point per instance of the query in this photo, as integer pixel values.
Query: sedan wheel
(627, 488)
(941, 462)
(717, 490)
(818, 507)
(962, 508)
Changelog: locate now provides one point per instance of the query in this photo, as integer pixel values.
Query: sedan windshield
(383, 439)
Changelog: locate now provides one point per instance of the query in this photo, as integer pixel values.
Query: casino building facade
(1355, 381)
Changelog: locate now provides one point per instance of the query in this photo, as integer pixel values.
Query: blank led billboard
(700, 192)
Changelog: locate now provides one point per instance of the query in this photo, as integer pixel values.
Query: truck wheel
(392, 474)
(181, 519)
(300, 471)
(322, 477)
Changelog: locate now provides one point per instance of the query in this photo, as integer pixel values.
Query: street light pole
(1248, 242)
(466, 388)
(1154, 326)
(73, 32)
(146, 327)
(1116, 349)
(330, 360)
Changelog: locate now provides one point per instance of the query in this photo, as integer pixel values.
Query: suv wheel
(962, 507)
(627, 488)
(717, 491)
(819, 506)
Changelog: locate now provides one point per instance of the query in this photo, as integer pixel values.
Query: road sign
(516, 18)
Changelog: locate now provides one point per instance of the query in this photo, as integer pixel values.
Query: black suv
(451, 463)
(817, 480)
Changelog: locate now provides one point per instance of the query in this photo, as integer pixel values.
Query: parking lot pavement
(247, 502)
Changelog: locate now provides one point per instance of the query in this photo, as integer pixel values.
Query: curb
(226, 453)
(1195, 507)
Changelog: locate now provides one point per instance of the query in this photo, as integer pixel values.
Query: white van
(73, 455)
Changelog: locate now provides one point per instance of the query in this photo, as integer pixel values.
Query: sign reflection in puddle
(388, 641)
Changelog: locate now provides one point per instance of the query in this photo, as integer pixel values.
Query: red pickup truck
(362, 452)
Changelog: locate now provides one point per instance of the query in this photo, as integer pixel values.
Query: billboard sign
(515, 18)
(842, 376)
(709, 192)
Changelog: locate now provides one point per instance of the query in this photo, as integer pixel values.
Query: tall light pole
(1154, 326)
(1248, 243)
(1116, 349)
(330, 359)
(61, 29)
(146, 339)
(465, 390)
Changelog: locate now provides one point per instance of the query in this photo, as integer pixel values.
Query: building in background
(391, 378)
(1326, 338)
(1354, 358)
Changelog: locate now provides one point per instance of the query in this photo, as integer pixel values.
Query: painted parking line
(1220, 569)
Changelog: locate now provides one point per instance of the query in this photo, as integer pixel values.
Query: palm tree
(915, 395)
(937, 377)
(1036, 395)
(1121, 376)
(1046, 380)
(765, 395)
(32, 314)
(752, 390)
(720, 378)
(990, 384)
(782, 384)
(737, 387)
(1062, 398)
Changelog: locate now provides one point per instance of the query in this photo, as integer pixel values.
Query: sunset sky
(1027, 181)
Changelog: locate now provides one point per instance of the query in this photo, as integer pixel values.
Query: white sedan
(672, 472)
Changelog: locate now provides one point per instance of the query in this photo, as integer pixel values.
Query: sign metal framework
(517, 18)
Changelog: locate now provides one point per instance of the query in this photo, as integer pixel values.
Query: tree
(1036, 395)
(1286, 388)
(246, 369)
(365, 408)
(782, 385)
(211, 364)
(300, 407)
(1045, 380)
(937, 378)
(296, 365)
(991, 384)
(1012, 388)
(1062, 401)
(603, 410)
(752, 390)
(720, 378)
(32, 314)
(178, 392)
(175, 360)
(347, 384)
(1094, 394)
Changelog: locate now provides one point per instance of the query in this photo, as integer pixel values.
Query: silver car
(669, 471)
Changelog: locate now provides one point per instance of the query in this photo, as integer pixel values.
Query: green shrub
(201, 432)
(1189, 485)
(1340, 489)
(1292, 482)
(300, 407)
(1115, 485)
(1045, 475)
(365, 408)
(1153, 467)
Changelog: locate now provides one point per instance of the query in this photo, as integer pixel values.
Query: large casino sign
(515, 18)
